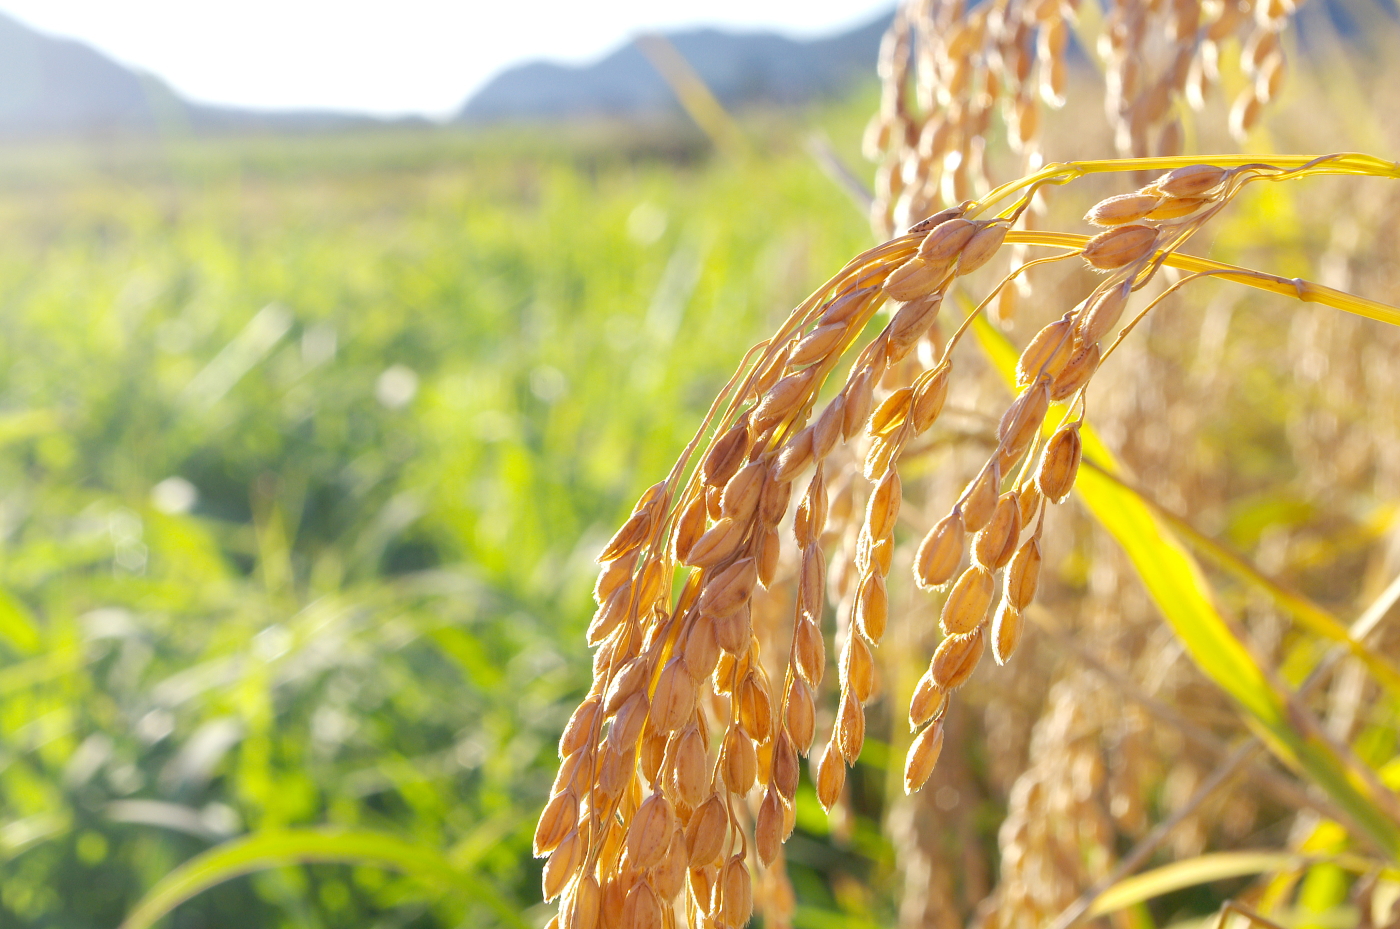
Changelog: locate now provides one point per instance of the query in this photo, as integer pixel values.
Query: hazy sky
(388, 57)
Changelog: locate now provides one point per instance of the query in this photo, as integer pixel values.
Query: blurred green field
(306, 446)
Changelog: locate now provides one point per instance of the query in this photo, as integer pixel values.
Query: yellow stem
(1296, 287)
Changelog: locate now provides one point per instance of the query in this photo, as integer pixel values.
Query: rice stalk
(679, 770)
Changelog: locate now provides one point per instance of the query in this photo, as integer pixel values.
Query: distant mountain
(739, 68)
(51, 86)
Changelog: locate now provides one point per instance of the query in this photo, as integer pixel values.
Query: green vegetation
(305, 450)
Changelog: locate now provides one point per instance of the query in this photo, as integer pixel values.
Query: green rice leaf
(281, 847)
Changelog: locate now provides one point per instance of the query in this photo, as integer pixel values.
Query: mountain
(51, 86)
(739, 68)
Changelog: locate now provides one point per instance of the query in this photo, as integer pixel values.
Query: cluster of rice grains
(680, 768)
(1011, 55)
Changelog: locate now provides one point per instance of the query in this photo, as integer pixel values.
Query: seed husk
(883, 508)
(956, 658)
(774, 502)
(1120, 246)
(786, 769)
(846, 305)
(642, 909)
(755, 707)
(947, 240)
(827, 429)
(706, 831)
(831, 777)
(860, 395)
(1060, 463)
(701, 651)
(892, 412)
(690, 766)
(730, 589)
(738, 761)
(800, 715)
(726, 456)
(668, 878)
(1124, 208)
(924, 225)
(768, 829)
(980, 498)
(810, 519)
(627, 725)
(850, 727)
(1191, 181)
(717, 544)
(1102, 313)
(1024, 575)
(910, 322)
(812, 583)
(582, 904)
(1077, 373)
(1021, 422)
(982, 246)
(1177, 207)
(614, 574)
(559, 868)
(795, 456)
(996, 543)
(653, 753)
(733, 631)
(928, 702)
(741, 494)
(673, 702)
(628, 537)
(579, 730)
(914, 279)
(858, 669)
(872, 607)
(560, 817)
(734, 892)
(817, 344)
(628, 680)
(968, 601)
(1047, 353)
(941, 552)
(930, 393)
(650, 833)
(922, 757)
(1007, 627)
(809, 651)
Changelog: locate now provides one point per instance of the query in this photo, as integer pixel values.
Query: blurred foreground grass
(305, 450)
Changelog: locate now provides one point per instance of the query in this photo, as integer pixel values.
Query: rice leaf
(281, 847)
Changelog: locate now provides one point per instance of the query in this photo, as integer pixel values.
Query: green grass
(372, 616)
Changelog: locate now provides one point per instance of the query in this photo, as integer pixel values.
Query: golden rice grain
(706, 832)
(1191, 181)
(995, 544)
(1007, 626)
(928, 702)
(1125, 208)
(922, 757)
(1023, 576)
(941, 552)
(956, 658)
(967, 602)
(1120, 246)
(1060, 463)
(980, 498)
(1046, 354)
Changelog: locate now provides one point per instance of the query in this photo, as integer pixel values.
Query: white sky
(386, 57)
